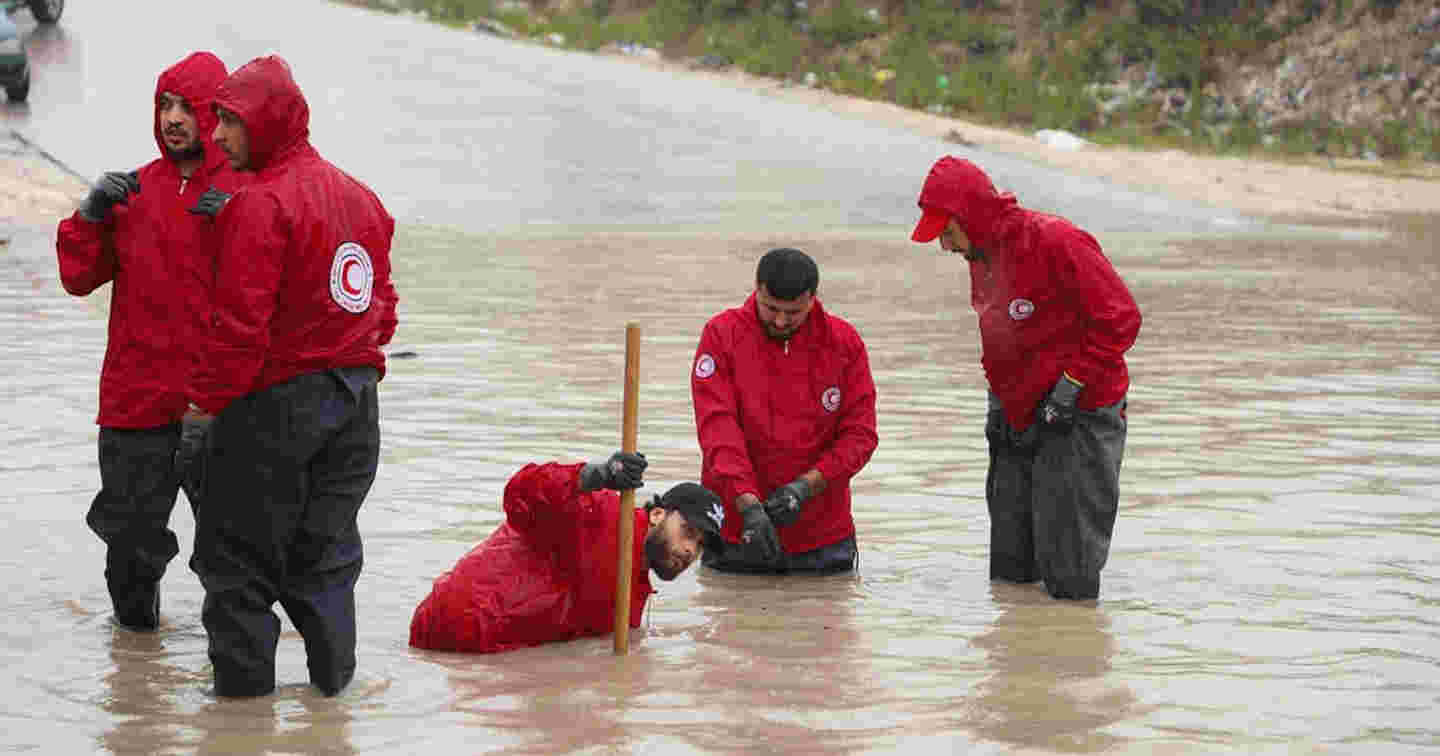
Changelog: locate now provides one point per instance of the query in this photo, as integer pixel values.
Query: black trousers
(287, 469)
(1053, 496)
(131, 514)
(841, 556)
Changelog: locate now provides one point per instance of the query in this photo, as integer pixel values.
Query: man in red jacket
(548, 572)
(303, 302)
(134, 231)
(785, 413)
(1055, 322)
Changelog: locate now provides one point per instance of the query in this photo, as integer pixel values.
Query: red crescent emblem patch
(352, 278)
(347, 278)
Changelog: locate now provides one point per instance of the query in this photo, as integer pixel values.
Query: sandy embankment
(35, 191)
(1280, 191)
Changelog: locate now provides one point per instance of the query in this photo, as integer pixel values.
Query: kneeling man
(548, 572)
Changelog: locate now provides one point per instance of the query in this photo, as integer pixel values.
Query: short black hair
(787, 273)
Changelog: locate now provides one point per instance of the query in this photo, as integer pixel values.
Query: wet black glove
(211, 202)
(783, 505)
(758, 534)
(112, 189)
(621, 472)
(190, 457)
(1058, 409)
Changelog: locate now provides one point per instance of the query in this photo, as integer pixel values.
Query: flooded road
(1273, 581)
(1272, 584)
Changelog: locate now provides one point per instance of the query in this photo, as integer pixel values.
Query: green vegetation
(1056, 68)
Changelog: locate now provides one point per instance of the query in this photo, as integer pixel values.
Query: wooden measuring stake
(628, 431)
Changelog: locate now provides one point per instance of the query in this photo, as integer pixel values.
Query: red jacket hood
(195, 78)
(960, 188)
(265, 97)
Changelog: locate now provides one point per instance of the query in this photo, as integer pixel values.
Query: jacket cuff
(208, 405)
(829, 472)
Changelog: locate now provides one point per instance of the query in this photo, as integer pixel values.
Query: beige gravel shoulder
(1352, 191)
(34, 191)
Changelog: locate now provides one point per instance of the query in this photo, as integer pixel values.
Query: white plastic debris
(1061, 140)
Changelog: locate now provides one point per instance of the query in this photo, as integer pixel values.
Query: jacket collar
(815, 330)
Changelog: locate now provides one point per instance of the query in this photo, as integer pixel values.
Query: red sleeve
(856, 436)
(1112, 317)
(86, 255)
(389, 298)
(725, 460)
(543, 503)
(248, 268)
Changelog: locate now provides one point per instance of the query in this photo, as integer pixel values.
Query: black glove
(112, 189)
(211, 202)
(1058, 409)
(783, 505)
(621, 472)
(190, 458)
(758, 535)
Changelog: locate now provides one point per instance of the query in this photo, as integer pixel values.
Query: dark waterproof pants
(131, 514)
(287, 470)
(1053, 496)
(841, 556)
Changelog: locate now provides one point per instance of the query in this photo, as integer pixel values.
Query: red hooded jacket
(768, 411)
(546, 574)
(303, 269)
(1048, 299)
(160, 259)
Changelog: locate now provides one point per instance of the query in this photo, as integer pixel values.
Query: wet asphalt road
(461, 129)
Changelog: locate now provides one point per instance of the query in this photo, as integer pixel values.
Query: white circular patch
(352, 278)
(704, 366)
(1021, 309)
(830, 400)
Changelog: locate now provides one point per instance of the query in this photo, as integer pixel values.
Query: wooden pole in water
(628, 432)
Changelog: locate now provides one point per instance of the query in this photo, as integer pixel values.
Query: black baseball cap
(699, 506)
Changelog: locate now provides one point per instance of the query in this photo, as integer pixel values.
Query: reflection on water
(1271, 586)
(1049, 684)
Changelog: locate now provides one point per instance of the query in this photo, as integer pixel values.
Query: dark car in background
(44, 11)
(14, 63)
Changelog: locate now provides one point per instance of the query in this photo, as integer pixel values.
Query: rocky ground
(1361, 65)
(1364, 68)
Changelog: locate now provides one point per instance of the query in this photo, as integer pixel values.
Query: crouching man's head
(683, 522)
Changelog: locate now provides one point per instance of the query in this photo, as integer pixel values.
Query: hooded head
(958, 189)
(189, 123)
(264, 97)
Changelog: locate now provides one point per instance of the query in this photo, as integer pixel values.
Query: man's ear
(657, 515)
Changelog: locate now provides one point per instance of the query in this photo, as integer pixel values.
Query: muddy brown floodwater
(1272, 585)
(1273, 582)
